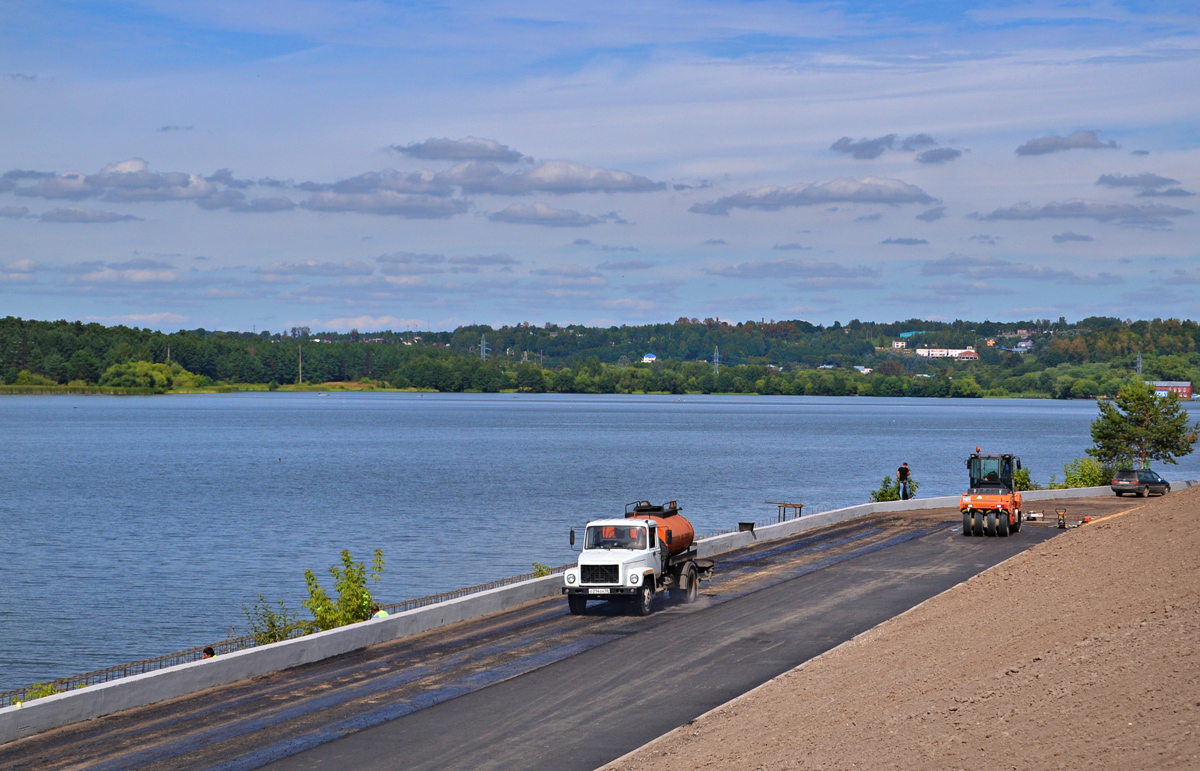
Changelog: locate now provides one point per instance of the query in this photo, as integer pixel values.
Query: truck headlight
(634, 578)
(570, 578)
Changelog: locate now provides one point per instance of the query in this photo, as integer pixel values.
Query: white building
(948, 353)
(899, 344)
(649, 358)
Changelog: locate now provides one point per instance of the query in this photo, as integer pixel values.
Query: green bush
(41, 690)
(1086, 472)
(269, 625)
(889, 490)
(354, 599)
(1023, 481)
(540, 570)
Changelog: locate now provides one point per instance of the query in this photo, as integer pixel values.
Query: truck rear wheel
(577, 603)
(1002, 524)
(990, 528)
(643, 601)
(688, 596)
(966, 523)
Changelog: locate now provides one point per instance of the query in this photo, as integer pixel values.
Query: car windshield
(615, 537)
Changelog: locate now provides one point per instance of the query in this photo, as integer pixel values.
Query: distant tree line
(1095, 356)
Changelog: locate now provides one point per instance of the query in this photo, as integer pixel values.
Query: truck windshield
(615, 537)
(985, 471)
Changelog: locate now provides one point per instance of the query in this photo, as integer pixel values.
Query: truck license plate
(598, 591)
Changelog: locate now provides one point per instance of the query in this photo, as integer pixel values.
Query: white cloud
(368, 324)
(864, 149)
(844, 190)
(541, 214)
(386, 202)
(14, 212)
(1103, 211)
(315, 268)
(790, 268)
(932, 215)
(1144, 180)
(939, 155)
(1078, 140)
(158, 320)
(560, 177)
(468, 149)
(85, 215)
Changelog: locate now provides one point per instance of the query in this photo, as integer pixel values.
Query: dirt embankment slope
(1079, 653)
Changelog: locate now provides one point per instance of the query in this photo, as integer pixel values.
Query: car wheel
(1144, 492)
(1119, 493)
(643, 602)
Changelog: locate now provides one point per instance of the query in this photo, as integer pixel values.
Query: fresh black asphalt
(658, 673)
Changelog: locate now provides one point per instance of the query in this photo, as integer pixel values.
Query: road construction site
(535, 687)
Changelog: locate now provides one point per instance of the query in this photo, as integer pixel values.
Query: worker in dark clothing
(902, 477)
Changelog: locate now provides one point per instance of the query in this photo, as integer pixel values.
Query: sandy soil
(1079, 653)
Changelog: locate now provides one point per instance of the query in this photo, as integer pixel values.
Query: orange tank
(682, 533)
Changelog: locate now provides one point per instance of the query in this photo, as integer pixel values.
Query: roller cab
(632, 559)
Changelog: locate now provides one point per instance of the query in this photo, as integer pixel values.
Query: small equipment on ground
(1140, 482)
(630, 560)
(992, 505)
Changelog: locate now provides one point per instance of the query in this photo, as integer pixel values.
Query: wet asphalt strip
(390, 712)
(595, 704)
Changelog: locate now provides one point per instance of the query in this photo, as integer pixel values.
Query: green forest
(1060, 360)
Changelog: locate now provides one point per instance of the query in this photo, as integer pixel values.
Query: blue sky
(405, 165)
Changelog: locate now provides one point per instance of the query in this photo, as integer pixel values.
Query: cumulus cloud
(414, 264)
(626, 265)
(71, 185)
(560, 177)
(932, 215)
(85, 215)
(987, 267)
(14, 212)
(420, 182)
(864, 149)
(844, 190)
(984, 238)
(467, 149)
(1068, 237)
(789, 269)
(485, 260)
(371, 323)
(571, 276)
(136, 271)
(236, 201)
(1103, 211)
(316, 268)
(225, 177)
(1170, 192)
(917, 141)
(132, 181)
(1143, 180)
(938, 155)
(1078, 140)
(19, 174)
(873, 217)
(541, 214)
(387, 202)
(904, 241)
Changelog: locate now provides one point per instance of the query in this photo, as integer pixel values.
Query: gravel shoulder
(1078, 653)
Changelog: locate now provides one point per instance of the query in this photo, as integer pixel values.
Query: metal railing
(228, 645)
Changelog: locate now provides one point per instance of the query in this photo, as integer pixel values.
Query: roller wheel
(990, 528)
(966, 523)
(1002, 524)
(577, 603)
(1016, 528)
(977, 526)
(643, 601)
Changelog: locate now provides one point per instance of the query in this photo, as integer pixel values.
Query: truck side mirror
(572, 536)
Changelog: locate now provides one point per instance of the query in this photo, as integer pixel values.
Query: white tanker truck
(629, 560)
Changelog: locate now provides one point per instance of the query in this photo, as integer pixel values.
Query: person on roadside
(378, 612)
(209, 653)
(902, 475)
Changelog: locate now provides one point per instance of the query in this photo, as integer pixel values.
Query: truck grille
(599, 574)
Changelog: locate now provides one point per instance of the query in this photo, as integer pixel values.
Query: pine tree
(1139, 427)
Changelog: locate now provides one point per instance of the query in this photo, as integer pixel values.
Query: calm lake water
(135, 526)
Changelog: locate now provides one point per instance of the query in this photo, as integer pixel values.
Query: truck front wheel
(577, 603)
(643, 601)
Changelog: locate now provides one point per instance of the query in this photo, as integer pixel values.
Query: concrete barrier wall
(139, 690)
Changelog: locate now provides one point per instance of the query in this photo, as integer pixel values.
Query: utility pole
(716, 360)
(1139, 364)
(483, 348)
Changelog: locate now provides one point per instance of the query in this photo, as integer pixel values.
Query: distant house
(864, 370)
(948, 353)
(649, 358)
(827, 366)
(1180, 388)
(899, 344)
(1025, 346)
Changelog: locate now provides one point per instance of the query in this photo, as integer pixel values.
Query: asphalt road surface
(536, 688)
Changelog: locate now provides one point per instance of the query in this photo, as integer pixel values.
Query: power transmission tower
(716, 360)
(483, 348)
